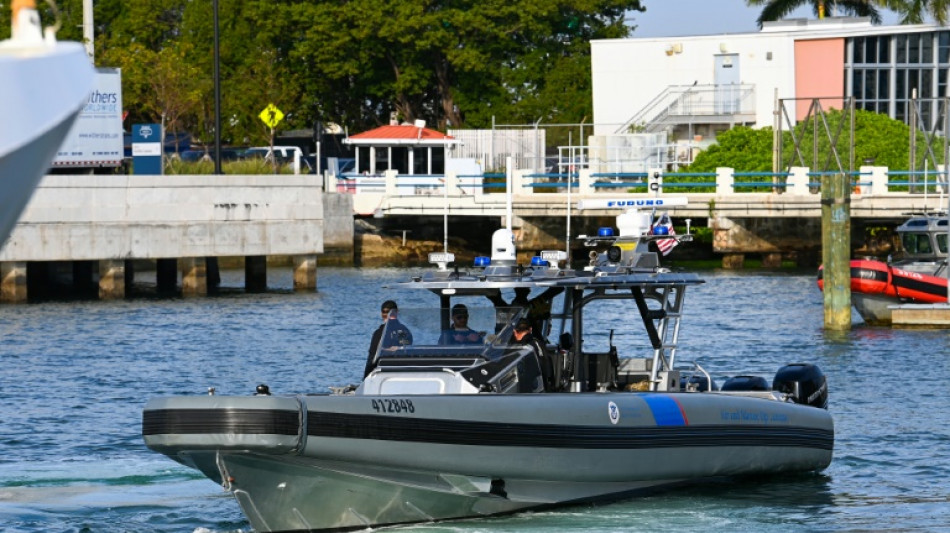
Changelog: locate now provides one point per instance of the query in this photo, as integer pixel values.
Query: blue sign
(147, 148)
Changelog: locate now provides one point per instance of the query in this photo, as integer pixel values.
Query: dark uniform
(391, 333)
(544, 360)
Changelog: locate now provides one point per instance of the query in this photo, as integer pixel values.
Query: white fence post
(797, 182)
(519, 180)
(725, 177)
(391, 189)
(873, 180)
(451, 183)
(585, 183)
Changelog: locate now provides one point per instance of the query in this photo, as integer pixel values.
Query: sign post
(272, 116)
(147, 149)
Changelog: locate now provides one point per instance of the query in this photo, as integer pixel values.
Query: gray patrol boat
(456, 422)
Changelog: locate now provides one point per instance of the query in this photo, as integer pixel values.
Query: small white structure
(409, 149)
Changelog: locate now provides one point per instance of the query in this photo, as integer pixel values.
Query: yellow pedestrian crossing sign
(271, 115)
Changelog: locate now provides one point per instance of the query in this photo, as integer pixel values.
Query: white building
(693, 87)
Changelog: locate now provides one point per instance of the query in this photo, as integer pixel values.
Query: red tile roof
(403, 131)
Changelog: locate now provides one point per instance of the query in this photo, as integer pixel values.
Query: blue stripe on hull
(666, 411)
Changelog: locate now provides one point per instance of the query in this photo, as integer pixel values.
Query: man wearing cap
(522, 335)
(390, 334)
(460, 332)
(538, 308)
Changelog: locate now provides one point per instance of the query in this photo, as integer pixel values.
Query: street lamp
(217, 95)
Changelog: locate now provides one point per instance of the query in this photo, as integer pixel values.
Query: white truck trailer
(95, 142)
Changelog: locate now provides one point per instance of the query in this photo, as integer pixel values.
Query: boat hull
(875, 286)
(43, 91)
(350, 461)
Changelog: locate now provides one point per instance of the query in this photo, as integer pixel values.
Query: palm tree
(913, 11)
(778, 9)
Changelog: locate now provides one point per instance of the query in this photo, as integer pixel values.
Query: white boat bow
(45, 85)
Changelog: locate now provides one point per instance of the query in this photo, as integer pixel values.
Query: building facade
(694, 87)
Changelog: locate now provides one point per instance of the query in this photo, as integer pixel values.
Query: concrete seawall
(103, 223)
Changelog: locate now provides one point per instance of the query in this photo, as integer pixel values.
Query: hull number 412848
(386, 405)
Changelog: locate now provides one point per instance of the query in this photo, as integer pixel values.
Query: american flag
(664, 226)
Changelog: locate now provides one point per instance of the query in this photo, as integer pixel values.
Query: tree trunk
(449, 110)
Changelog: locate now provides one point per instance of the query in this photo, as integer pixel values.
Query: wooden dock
(921, 316)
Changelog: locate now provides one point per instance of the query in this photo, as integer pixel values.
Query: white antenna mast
(509, 175)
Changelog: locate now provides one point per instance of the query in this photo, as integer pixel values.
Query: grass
(247, 166)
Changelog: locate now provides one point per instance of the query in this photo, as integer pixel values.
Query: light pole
(217, 95)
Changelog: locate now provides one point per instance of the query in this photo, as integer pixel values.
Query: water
(76, 375)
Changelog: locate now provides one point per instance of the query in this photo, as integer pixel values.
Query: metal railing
(798, 180)
(677, 104)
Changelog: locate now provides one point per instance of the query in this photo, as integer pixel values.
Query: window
(943, 47)
(926, 48)
(871, 89)
(942, 82)
(916, 243)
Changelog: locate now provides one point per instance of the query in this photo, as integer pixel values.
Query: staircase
(694, 104)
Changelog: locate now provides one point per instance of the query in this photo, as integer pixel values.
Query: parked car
(285, 156)
(192, 155)
(227, 154)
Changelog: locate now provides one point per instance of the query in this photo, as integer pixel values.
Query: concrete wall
(819, 71)
(338, 231)
(95, 217)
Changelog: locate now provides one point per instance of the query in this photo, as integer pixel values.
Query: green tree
(915, 11)
(779, 9)
(742, 148)
(877, 138)
(457, 63)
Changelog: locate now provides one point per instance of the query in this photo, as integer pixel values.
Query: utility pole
(88, 33)
(217, 94)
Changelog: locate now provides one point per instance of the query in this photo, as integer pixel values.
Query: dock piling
(836, 249)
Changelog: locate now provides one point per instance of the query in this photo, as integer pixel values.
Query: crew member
(389, 335)
(460, 332)
(522, 336)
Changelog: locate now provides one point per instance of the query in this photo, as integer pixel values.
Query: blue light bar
(539, 261)
(482, 261)
(605, 232)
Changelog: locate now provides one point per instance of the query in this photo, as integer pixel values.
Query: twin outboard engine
(751, 383)
(804, 383)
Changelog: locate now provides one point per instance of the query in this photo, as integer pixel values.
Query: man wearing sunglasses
(460, 332)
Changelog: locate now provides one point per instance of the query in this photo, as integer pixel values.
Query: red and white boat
(920, 277)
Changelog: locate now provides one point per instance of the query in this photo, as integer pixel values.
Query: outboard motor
(746, 383)
(804, 383)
